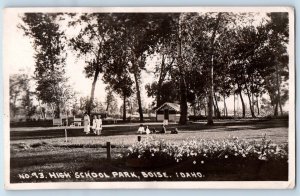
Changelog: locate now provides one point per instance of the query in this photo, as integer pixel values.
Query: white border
(154, 184)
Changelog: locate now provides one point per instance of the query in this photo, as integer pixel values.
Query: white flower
(202, 162)
(194, 162)
(226, 156)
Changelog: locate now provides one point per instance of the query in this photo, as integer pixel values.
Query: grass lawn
(45, 150)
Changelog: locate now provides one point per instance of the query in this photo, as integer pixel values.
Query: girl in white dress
(98, 125)
(147, 131)
(86, 123)
(94, 124)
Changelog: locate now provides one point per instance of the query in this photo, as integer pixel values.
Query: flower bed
(232, 152)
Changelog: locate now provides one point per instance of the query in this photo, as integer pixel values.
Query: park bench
(57, 122)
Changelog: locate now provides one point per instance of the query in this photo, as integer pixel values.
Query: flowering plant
(204, 150)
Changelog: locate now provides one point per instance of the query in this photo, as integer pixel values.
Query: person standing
(94, 124)
(98, 125)
(86, 123)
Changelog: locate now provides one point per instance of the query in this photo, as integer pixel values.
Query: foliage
(21, 96)
(48, 42)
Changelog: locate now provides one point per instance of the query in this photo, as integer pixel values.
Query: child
(99, 125)
(141, 129)
(175, 131)
(153, 131)
(163, 129)
(94, 124)
(147, 130)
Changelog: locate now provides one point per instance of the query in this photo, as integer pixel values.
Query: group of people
(145, 130)
(96, 126)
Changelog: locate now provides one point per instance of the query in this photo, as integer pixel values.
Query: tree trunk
(124, 108)
(257, 105)
(138, 95)
(199, 106)
(183, 101)
(217, 111)
(234, 105)
(57, 112)
(160, 81)
(278, 90)
(243, 103)
(89, 108)
(225, 107)
(210, 96)
(205, 104)
(276, 109)
(211, 88)
(183, 90)
(250, 103)
(251, 106)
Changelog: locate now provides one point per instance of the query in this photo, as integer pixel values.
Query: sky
(19, 58)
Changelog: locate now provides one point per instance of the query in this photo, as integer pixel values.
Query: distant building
(168, 111)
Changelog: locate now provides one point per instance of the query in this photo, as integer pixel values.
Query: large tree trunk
(276, 109)
(182, 86)
(124, 108)
(183, 101)
(211, 88)
(217, 111)
(251, 106)
(210, 98)
(57, 111)
(138, 94)
(89, 108)
(243, 103)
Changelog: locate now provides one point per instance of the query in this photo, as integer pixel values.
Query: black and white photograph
(149, 97)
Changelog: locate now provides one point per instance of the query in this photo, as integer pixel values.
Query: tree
(139, 34)
(89, 43)
(278, 34)
(117, 76)
(168, 91)
(20, 95)
(110, 101)
(48, 42)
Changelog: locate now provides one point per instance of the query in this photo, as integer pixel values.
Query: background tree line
(203, 58)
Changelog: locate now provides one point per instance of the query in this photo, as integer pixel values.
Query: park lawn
(87, 152)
